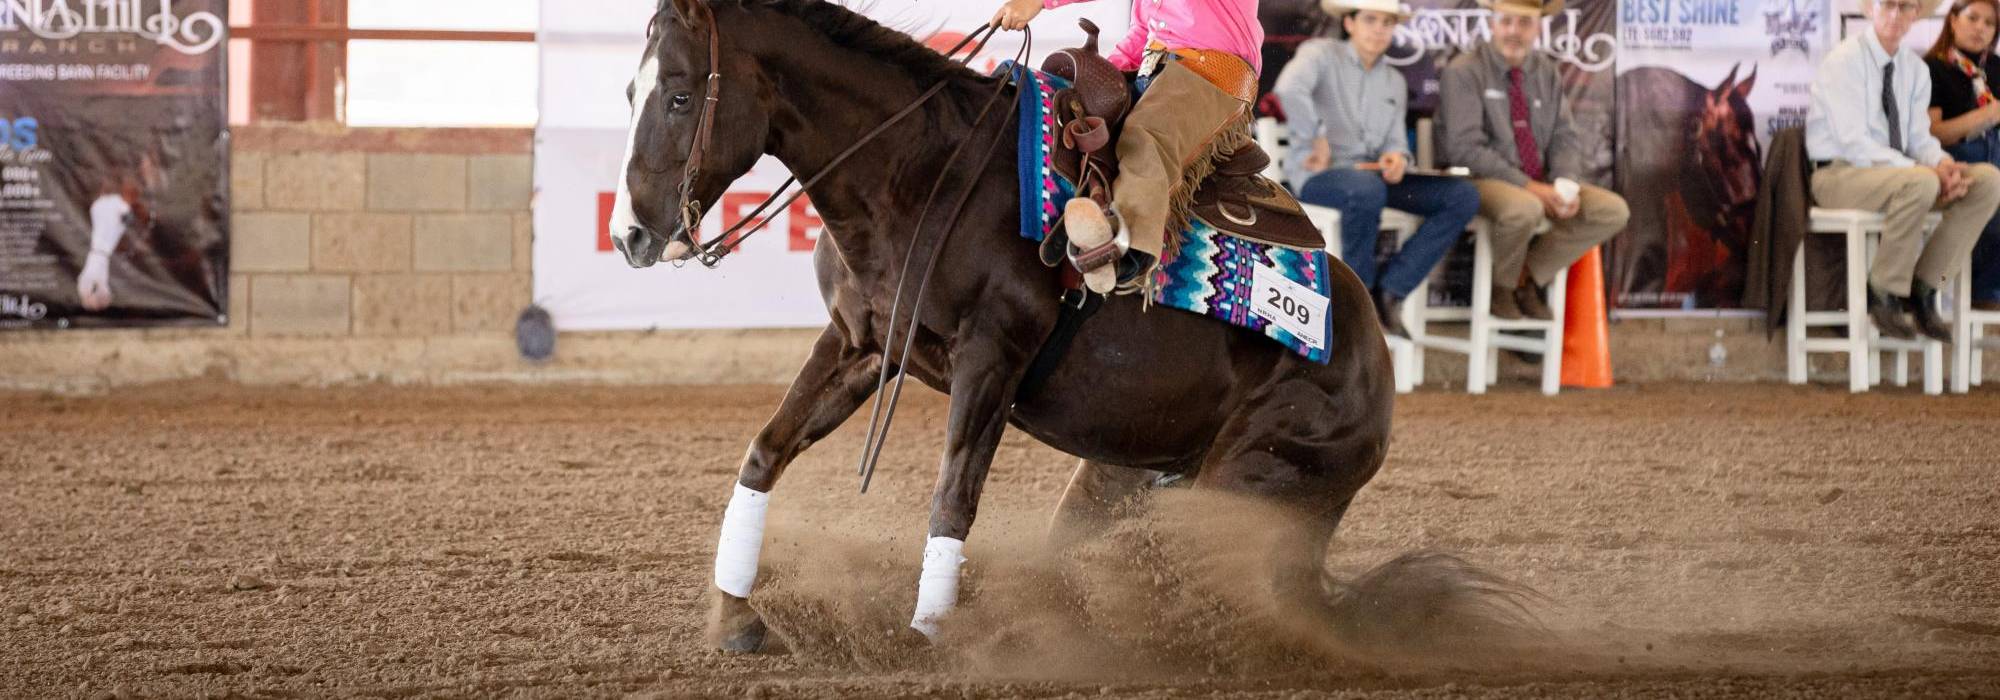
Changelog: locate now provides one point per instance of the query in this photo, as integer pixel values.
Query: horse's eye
(680, 100)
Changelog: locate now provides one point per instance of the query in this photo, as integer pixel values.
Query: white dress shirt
(1846, 120)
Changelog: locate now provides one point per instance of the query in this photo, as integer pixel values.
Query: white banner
(589, 50)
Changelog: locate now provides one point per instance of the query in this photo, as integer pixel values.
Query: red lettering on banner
(736, 204)
(605, 202)
(802, 230)
(802, 220)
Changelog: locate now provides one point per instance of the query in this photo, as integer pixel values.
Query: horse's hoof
(733, 626)
(910, 637)
(748, 640)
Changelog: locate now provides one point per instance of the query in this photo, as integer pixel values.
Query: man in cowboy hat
(1868, 133)
(1349, 151)
(1503, 116)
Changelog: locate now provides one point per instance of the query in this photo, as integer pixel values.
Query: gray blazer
(1477, 128)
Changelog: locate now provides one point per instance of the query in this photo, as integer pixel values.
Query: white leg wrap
(742, 540)
(937, 588)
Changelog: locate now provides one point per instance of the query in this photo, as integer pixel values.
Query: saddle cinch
(1235, 198)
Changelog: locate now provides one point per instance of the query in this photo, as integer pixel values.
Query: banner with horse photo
(1580, 38)
(114, 158)
(1702, 85)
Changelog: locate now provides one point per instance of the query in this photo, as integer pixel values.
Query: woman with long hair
(1963, 116)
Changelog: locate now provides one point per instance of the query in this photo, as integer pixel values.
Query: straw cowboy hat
(1341, 7)
(1528, 8)
(1925, 8)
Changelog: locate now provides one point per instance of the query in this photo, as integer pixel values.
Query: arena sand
(1672, 540)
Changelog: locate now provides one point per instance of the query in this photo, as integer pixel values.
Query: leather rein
(711, 253)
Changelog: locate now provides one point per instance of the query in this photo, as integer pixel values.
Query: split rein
(711, 253)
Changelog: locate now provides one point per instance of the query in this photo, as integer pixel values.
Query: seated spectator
(1345, 108)
(1502, 115)
(1963, 115)
(1868, 131)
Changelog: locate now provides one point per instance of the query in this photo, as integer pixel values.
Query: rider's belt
(1222, 69)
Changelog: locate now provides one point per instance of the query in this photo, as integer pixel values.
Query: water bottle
(1718, 355)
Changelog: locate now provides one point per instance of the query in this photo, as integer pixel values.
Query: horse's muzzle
(642, 248)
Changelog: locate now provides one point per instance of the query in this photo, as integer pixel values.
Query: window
(385, 62)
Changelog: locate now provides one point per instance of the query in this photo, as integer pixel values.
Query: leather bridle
(711, 253)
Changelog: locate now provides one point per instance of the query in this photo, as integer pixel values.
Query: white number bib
(1293, 306)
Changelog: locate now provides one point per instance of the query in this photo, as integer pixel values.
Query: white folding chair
(1487, 335)
(1271, 136)
(1968, 364)
(1863, 344)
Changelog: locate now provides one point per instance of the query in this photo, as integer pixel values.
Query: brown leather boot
(1504, 306)
(1528, 298)
(1389, 311)
(1093, 250)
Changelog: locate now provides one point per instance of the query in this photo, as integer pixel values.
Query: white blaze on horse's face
(624, 220)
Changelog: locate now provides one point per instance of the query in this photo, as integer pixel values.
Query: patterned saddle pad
(1278, 292)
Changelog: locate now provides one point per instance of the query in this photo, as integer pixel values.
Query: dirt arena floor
(1684, 540)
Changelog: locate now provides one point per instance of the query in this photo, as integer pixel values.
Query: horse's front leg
(985, 375)
(836, 379)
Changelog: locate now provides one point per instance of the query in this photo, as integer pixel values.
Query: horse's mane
(855, 31)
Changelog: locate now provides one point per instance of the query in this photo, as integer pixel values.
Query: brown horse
(1141, 392)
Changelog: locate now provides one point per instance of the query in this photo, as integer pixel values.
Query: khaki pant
(1516, 213)
(1175, 123)
(1904, 196)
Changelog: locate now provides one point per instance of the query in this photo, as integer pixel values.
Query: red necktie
(1524, 135)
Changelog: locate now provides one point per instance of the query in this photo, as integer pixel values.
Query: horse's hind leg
(1090, 502)
(1310, 451)
(836, 379)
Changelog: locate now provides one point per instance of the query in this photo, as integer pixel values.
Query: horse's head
(1725, 141)
(698, 123)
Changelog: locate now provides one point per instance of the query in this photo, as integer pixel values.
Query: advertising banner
(1702, 85)
(114, 159)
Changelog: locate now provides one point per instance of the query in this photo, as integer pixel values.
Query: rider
(1197, 61)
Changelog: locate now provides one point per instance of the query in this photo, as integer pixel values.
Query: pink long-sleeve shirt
(1218, 25)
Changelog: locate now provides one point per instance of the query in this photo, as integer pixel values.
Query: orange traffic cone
(1586, 329)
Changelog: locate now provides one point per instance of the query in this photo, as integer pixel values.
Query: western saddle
(1235, 198)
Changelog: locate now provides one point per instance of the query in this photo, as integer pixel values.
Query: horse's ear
(1729, 82)
(691, 13)
(1743, 88)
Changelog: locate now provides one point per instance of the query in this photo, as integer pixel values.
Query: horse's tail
(1425, 601)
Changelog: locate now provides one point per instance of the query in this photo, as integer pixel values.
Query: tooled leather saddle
(1236, 198)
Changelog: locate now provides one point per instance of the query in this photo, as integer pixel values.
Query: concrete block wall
(363, 233)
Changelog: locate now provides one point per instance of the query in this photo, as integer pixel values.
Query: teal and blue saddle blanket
(1279, 292)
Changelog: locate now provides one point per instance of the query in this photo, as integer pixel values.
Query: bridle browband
(712, 252)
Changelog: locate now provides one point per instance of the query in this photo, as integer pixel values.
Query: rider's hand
(1015, 14)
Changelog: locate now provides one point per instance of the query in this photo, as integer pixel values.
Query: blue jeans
(1446, 204)
(1986, 254)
